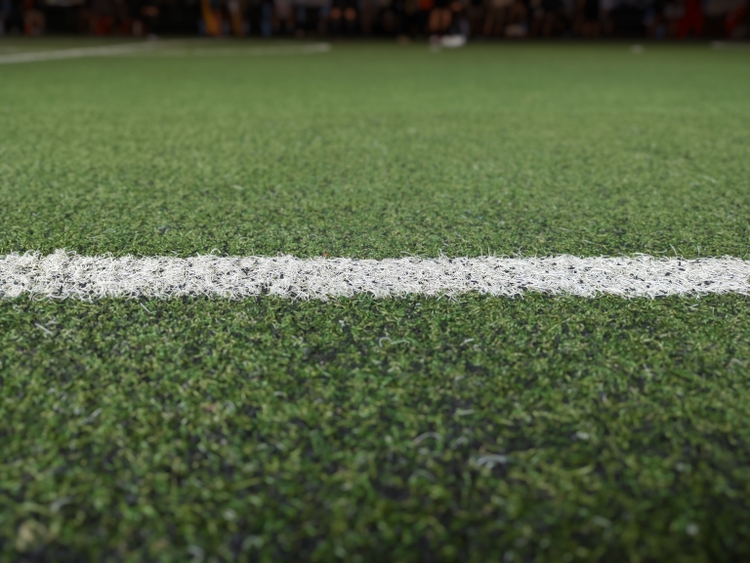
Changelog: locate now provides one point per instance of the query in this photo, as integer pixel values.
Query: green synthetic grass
(484, 429)
(380, 151)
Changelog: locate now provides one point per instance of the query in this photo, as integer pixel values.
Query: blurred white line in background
(77, 53)
(239, 51)
(176, 48)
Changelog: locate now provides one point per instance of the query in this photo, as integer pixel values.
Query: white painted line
(77, 53)
(67, 275)
(721, 45)
(312, 48)
(164, 49)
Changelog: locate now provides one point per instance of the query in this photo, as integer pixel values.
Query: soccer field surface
(468, 426)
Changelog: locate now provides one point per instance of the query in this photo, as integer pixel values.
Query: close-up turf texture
(470, 428)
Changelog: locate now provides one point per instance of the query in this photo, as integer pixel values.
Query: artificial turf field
(541, 428)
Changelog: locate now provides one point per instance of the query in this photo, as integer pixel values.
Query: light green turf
(481, 429)
(375, 152)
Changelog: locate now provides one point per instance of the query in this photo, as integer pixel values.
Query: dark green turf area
(418, 429)
(412, 429)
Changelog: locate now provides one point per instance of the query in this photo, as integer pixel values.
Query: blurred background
(401, 19)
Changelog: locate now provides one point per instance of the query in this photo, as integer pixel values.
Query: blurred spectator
(654, 20)
(587, 18)
(606, 16)
(475, 12)
(440, 18)
(546, 17)
(371, 9)
(448, 17)
(658, 19)
(720, 16)
(410, 23)
(424, 7)
(674, 11)
(103, 16)
(518, 17)
(268, 16)
(459, 19)
(496, 18)
(235, 19)
(343, 17)
(145, 14)
(6, 10)
(317, 16)
(123, 20)
(34, 22)
(300, 17)
(212, 20)
(284, 17)
(692, 21)
(630, 18)
(737, 21)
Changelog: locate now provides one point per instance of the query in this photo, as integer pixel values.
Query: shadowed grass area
(411, 429)
(475, 429)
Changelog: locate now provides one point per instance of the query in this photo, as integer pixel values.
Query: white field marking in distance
(175, 48)
(64, 275)
(79, 52)
(238, 51)
(722, 45)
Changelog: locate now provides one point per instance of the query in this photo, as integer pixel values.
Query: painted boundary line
(161, 48)
(722, 45)
(66, 275)
(305, 49)
(77, 53)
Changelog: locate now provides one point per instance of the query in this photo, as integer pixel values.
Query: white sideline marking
(721, 45)
(77, 53)
(67, 275)
(161, 48)
(244, 51)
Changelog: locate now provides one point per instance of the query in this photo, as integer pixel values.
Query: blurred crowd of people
(400, 18)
